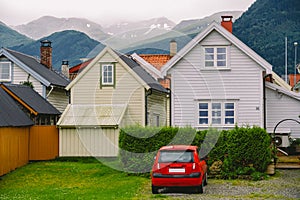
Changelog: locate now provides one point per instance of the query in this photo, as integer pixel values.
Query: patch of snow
(88, 25)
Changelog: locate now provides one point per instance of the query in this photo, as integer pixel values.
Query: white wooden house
(218, 81)
(16, 68)
(113, 91)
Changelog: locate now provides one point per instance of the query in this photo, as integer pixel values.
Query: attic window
(215, 57)
(107, 75)
(5, 71)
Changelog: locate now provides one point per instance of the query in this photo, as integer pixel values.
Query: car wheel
(154, 189)
(200, 188)
(206, 179)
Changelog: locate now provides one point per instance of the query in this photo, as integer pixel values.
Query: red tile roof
(80, 66)
(157, 60)
(292, 78)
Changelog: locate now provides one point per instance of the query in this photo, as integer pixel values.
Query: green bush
(243, 151)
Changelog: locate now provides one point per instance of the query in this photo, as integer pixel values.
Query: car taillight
(158, 167)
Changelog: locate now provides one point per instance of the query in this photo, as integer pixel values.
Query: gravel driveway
(284, 185)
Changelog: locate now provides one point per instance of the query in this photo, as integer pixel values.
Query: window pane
(203, 121)
(221, 63)
(216, 121)
(229, 121)
(203, 105)
(221, 56)
(203, 113)
(5, 71)
(216, 106)
(209, 50)
(221, 50)
(229, 105)
(209, 57)
(216, 113)
(107, 74)
(209, 64)
(229, 113)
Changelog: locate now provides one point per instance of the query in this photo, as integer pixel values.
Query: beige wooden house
(113, 91)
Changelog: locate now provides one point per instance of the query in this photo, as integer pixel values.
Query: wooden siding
(157, 106)
(14, 147)
(43, 143)
(58, 98)
(127, 90)
(279, 107)
(19, 75)
(89, 142)
(241, 82)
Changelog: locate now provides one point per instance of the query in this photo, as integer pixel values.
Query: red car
(179, 166)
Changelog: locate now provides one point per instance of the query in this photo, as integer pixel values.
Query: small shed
(14, 134)
(43, 137)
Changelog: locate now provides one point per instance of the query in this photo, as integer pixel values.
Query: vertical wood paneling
(89, 142)
(14, 148)
(43, 143)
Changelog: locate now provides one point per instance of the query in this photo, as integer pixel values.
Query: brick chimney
(227, 22)
(173, 48)
(46, 53)
(65, 68)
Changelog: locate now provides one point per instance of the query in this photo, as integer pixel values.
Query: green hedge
(242, 151)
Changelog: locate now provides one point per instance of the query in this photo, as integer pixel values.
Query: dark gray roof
(142, 73)
(53, 77)
(32, 99)
(10, 113)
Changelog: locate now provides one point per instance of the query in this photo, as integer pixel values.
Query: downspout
(264, 97)
(50, 91)
(148, 93)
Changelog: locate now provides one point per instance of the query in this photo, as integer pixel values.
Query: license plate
(176, 170)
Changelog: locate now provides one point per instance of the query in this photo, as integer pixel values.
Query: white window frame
(9, 73)
(214, 57)
(216, 111)
(103, 76)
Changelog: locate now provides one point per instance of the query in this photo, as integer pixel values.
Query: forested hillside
(264, 26)
(66, 45)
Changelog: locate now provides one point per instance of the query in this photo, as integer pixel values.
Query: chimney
(65, 68)
(227, 22)
(46, 53)
(173, 48)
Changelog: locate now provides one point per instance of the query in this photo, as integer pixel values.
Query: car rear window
(176, 156)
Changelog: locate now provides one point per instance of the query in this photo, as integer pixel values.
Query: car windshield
(176, 156)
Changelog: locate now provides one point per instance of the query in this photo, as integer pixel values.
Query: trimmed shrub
(243, 151)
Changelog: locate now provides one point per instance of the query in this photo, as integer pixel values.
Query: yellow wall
(14, 148)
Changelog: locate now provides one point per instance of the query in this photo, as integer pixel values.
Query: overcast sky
(15, 12)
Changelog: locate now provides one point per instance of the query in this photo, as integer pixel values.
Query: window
(5, 71)
(215, 57)
(203, 113)
(216, 113)
(229, 113)
(107, 75)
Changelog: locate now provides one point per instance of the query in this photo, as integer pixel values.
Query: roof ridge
(18, 52)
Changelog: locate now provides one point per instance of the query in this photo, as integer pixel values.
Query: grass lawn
(76, 179)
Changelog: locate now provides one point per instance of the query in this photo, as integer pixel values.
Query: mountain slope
(264, 26)
(47, 25)
(183, 32)
(66, 45)
(127, 33)
(10, 37)
(196, 25)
